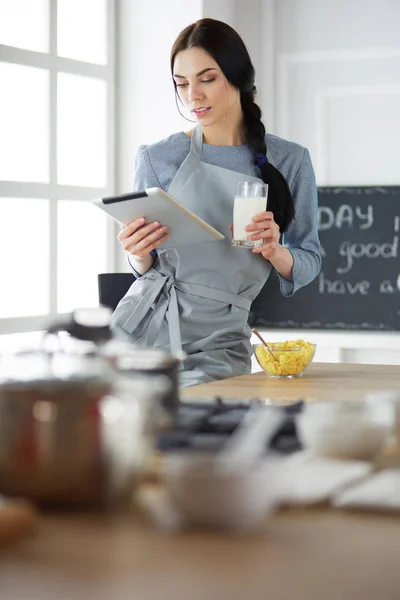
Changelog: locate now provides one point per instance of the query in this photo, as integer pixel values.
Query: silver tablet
(154, 204)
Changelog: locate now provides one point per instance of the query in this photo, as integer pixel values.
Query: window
(56, 154)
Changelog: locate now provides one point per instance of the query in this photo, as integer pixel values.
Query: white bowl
(204, 496)
(354, 430)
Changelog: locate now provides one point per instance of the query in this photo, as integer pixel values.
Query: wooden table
(314, 554)
(330, 381)
(306, 555)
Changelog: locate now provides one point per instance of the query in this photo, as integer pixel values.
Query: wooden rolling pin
(17, 520)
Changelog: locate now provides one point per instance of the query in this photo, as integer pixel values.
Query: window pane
(24, 257)
(24, 123)
(25, 24)
(82, 131)
(81, 32)
(82, 253)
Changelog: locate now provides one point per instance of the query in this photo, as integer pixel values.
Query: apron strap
(271, 162)
(213, 294)
(196, 142)
(144, 305)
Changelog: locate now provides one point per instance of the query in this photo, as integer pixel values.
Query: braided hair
(228, 50)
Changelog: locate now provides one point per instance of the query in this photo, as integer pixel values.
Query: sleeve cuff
(288, 287)
(139, 275)
(306, 266)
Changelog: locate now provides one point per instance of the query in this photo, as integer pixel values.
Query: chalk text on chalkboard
(338, 286)
(354, 250)
(345, 215)
(359, 284)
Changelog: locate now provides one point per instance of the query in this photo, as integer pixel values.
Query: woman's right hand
(139, 238)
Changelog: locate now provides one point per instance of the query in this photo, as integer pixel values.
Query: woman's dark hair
(230, 53)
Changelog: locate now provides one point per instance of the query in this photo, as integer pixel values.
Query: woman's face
(203, 88)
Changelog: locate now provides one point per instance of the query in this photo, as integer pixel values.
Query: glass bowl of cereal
(285, 359)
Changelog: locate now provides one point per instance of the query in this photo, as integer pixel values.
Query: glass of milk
(250, 200)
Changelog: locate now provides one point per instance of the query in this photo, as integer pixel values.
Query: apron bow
(160, 295)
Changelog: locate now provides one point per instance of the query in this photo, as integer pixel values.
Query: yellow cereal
(292, 357)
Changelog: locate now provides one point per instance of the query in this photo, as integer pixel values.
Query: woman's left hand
(268, 231)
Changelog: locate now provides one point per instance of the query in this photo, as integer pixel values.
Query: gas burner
(204, 425)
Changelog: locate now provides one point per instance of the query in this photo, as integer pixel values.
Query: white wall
(337, 89)
(306, 25)
(146, 110)
(223, 10)
(336, 73)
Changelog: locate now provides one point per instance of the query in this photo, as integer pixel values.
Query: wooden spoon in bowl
(265, 344)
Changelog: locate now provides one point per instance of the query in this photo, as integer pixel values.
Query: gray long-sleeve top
(156, 165)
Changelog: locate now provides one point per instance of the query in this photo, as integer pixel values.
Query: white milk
(244, 209)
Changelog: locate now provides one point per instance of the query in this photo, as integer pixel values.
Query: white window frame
(52, 191)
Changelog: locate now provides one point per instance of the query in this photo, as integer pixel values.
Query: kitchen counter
(301, 554)
(329, 381)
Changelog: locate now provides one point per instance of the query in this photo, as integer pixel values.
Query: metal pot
(73, 432)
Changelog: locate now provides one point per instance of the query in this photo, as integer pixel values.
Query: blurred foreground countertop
(300, 554)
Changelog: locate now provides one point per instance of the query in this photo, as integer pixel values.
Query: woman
(197, 298)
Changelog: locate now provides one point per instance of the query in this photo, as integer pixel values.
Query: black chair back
(112, 287)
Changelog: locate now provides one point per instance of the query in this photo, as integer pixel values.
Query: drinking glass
(250, 200)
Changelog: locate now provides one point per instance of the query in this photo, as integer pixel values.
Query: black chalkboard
(359, 284)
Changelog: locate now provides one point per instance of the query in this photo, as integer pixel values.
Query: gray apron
(197, 298)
